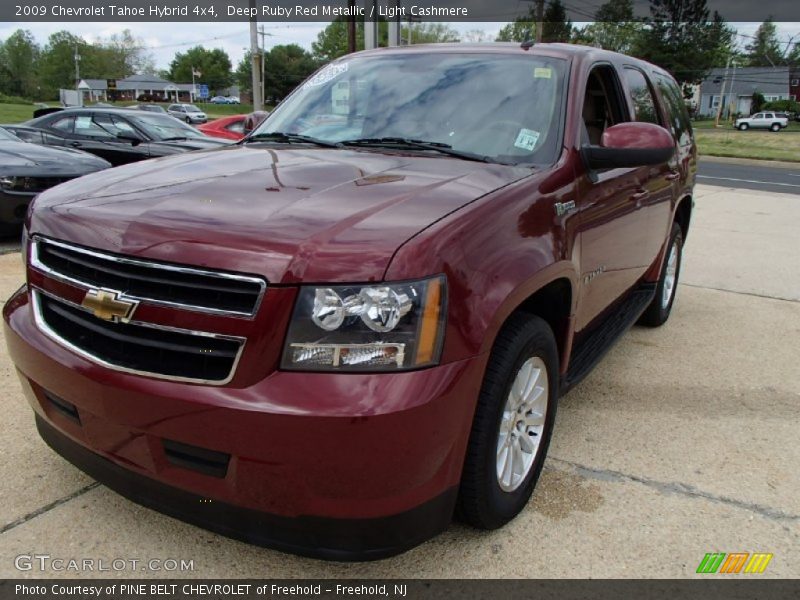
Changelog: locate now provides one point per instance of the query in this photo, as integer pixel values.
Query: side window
(92, 126)
(678, 115)
(644, 105)
(759, 116)
(35, 137)
(602, 106)
(236, 127)
(122, 126)
(64, 124)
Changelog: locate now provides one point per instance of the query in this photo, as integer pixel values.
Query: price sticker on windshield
(526, 139)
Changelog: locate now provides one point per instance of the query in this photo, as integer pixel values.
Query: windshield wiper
(394, 142)
(289, 138)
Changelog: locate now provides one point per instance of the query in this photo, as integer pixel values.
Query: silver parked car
(763, 120)
(187, 112)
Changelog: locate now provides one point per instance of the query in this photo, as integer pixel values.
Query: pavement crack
(754, 294)
(48, 507)
(676, 487)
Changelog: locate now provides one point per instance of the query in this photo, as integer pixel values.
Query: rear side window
(676, 109)
(644, 105)
(63, 124)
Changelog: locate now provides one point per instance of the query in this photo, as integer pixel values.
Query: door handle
(75, 144)
(639, 196)
(672, 175)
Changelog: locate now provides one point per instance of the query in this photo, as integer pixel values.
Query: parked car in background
(188, 113)
(27, 169)
(219, 100)
(156, 108)
(117, 135)
(763, 120)
(233, 100)
(334, 335)
(234, 127)
(228, 128)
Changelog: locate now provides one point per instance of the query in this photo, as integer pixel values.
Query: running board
(593, 347)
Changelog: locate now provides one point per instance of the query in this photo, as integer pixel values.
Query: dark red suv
(333, 336)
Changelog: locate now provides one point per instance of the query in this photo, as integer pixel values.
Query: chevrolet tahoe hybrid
(356, 323)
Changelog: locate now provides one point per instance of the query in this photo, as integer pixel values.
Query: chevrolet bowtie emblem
(106, 305)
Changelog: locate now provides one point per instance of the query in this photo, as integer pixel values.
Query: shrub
(4, 99)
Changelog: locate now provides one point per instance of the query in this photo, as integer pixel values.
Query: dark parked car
(330, 336)
(120, 136)
(156, 108)
(27, 169)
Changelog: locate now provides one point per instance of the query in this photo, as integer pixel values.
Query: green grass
(16, 113)
(761, 145)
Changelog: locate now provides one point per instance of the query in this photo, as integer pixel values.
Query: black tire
(188, 120)
(743, 127)
(481, 501)
(658, 312)
(775, 127)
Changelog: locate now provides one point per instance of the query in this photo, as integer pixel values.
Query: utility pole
(722, 93)
(539, 20)
(78, 76)
(255, 58)
(351, 27)
(734, 102)
(263, 52)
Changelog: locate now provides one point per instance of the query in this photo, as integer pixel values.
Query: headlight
(382, 327)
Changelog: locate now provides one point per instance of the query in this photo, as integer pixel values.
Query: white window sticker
(542, 73)
(527, 139)
(325, 75)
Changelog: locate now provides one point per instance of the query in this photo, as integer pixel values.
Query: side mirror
(129, 137)
(630, 145)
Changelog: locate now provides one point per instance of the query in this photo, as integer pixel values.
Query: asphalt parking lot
(683, 441)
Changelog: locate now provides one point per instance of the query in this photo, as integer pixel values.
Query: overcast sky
(165, 39)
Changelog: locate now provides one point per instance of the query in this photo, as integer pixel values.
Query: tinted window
(8, 136)
(236, 127)
(63, 124)
(161, 127)
(644, 105)
(93, 126)
(678, 115)
(506, 107)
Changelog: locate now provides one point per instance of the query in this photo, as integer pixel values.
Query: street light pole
(78, 76)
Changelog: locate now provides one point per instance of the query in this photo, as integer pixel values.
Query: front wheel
(743, 127)
(512, 425)
(659, 310)
(188, 120)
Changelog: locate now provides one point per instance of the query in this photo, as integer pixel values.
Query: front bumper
(359, 483)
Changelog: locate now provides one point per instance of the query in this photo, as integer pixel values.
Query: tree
(615, 27)
(757, 102)
(129, 54)
(214, 67)
(556, 26)
(765, 49)
(285, 67)
(331, 42)
(20, 63)
(476, 36)
(681, 38)
(518, 31)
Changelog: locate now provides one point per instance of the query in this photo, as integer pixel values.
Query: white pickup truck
(762, 120)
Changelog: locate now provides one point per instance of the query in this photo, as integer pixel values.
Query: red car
(229, 128)
(333, 337)
(234, 127)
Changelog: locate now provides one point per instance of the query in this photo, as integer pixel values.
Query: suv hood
(289, 214)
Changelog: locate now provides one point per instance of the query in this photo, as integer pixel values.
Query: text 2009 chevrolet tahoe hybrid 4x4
(357, 322)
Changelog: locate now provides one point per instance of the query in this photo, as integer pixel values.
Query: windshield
(162, 127)
(500, 106)
(8, 136)
(192, 108)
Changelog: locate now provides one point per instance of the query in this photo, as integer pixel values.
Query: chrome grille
(138, 347)
(150, 281)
